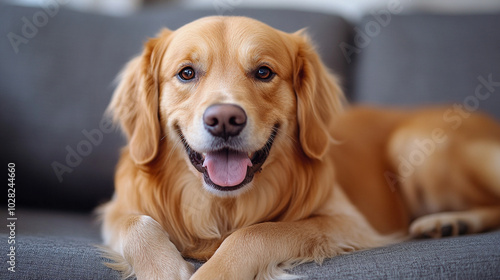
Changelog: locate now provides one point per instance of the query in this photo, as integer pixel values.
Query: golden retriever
(239, 154)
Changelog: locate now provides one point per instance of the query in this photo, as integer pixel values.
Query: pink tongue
(227, 168)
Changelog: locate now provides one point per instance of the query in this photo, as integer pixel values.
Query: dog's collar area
(258, 158)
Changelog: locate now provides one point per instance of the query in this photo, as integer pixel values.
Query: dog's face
(226, 90)
(227, 93)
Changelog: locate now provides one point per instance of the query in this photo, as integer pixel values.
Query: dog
(243, 153)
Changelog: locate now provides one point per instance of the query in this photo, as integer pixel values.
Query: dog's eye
(264, 74)
(186, 74)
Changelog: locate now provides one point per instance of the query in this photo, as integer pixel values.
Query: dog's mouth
(228, 169)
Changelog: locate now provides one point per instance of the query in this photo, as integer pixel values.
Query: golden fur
(332, 182)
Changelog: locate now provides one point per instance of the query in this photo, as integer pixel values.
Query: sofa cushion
(56, 245)
(56, 73)
(464, 257)
(427, 59)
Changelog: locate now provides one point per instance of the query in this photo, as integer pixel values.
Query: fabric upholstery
(431, 59)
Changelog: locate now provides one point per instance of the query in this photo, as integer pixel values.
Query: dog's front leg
(256, 251)
(146, 248)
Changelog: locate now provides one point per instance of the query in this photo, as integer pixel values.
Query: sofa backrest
(57, 68)
(427, 59)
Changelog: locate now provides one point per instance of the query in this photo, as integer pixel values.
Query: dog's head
(226, 90)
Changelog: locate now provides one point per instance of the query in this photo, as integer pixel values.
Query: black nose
(224, 120)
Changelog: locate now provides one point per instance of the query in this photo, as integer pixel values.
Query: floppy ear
(135, 101)
(319, 98)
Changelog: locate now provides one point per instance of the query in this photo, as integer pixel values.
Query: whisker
(175, 145)
(289, 137)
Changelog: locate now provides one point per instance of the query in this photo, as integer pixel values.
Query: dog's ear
(135, 101)
(319, 98)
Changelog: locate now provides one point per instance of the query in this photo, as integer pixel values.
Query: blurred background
(350, 9)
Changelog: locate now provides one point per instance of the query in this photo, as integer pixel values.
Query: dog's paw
(439, 225)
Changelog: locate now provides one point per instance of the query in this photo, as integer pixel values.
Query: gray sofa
(56, 79)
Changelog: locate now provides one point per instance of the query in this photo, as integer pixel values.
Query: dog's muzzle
(226, 168)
